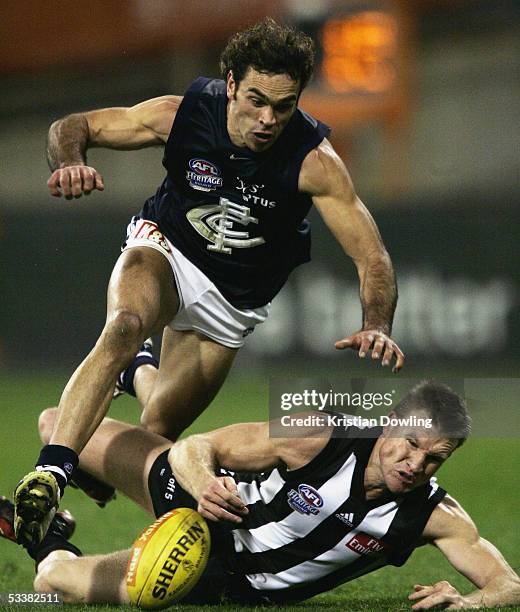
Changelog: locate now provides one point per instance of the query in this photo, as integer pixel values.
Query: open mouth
(263, 136)
(408, 479)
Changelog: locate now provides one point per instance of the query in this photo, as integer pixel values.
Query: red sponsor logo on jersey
(364, 544)
(148, 230)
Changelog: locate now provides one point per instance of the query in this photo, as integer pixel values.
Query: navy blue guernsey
(236, 214)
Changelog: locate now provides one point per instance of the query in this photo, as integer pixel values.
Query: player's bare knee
(41, 584)
(123, 333)
(46, 423)
(45, 580)
(53, 577)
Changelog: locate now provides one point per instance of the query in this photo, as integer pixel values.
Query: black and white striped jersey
(310, 529)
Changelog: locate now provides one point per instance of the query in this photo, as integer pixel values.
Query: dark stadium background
(433, 151)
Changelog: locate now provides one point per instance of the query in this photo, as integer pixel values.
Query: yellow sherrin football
(167, 559)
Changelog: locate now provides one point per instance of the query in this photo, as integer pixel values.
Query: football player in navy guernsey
(297, 516)
(210, 250)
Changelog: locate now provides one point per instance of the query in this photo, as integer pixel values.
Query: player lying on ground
(323, 511)
(212, 248)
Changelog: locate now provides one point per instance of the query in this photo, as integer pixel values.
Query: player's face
(409, 457)
(259, 108)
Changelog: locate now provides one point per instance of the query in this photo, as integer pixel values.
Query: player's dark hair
(446, 408)
(272, 48)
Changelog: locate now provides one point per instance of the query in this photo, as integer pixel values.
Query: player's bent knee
(46, 423)
(124, 332)
(49, 580)
(41, 584)
(43, 581)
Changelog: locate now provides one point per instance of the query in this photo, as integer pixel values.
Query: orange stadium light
(365, 78)
(359, 52)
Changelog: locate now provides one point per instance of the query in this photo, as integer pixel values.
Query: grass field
(483, 476)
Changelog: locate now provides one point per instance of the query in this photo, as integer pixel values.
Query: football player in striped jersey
(295, 516)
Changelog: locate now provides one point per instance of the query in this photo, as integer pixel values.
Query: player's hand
(439, 594)
(74, 181)
(220, 501)
(382, 346)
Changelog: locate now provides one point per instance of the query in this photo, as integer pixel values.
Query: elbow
(54, 131)
(195, 450)
(76, 121)
(54, 127)
(57, 126)
(179, 455)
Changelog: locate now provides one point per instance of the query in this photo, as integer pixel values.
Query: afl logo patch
(203, 175)
(306, 500)
(204, 167)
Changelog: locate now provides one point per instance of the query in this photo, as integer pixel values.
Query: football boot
(63, 521)
(36, 500)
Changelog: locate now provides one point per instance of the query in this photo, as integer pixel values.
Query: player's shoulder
(448, 519)
(157, 114)
(167, 104)
(322, 170)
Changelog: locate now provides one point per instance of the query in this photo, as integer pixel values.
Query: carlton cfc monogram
(214, 222)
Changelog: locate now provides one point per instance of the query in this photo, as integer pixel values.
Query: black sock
(60, 460)
(128, 375)
(51, 542)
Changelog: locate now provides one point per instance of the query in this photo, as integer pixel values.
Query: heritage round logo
(306, 500)
(203, 175)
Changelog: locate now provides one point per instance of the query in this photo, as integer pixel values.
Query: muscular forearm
(378, 292)
(67, 142)
(501, 591)
(193, 462)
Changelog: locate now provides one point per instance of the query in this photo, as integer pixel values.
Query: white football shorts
(202, 307)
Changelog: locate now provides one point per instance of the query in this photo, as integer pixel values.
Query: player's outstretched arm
(196, 459)
(454, 533)
(143, 125)
(326, 179)
(242, 447)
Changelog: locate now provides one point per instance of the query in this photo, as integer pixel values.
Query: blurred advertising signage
(455, 317)
(360, 52)
(459, 287)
